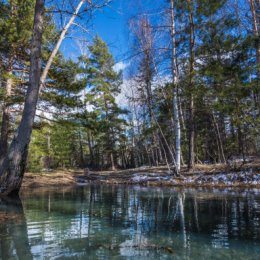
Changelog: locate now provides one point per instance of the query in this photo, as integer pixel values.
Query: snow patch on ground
(247, 177)
(243, 177)
(144, 177)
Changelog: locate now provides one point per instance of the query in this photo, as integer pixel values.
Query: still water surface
(105, 222)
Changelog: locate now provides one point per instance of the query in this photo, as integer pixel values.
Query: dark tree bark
(191, 103)
(13, 167)
(221, 153)
(81, 152)
(91, 153)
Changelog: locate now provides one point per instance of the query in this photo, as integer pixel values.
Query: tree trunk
(58, 44)
(48, 162)
(91, 154)
(149, 98)
(82, 161)
(175, 94)
(113, 168)
(13, 167)
(255, 9)
(219, 140)
(5, 119)
(191, 105)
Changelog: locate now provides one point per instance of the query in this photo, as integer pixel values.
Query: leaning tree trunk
(13, 167)
(58, 44)
(11, 171)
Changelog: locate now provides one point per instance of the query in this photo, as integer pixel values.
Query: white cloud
(129, 88)
(120, 66)
(126, 91)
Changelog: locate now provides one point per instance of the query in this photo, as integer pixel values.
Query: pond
(128, 222)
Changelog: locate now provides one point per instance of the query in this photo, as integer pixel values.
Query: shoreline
(215, 176)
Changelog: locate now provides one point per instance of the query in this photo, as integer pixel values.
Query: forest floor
(217, 175)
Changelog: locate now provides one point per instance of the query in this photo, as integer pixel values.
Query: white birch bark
(58, 44)
(175, 94)
(181, 198)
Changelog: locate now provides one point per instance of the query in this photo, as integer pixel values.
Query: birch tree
(175, 92)
(59, 42)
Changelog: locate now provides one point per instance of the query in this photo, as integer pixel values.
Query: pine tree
(103, 87)
(13, 167)
(16, 19)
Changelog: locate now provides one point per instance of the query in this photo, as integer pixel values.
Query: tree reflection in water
(14, 242)
(98, 222)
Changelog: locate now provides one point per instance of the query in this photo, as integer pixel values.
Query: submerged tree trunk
(175, 94)
(13, 167)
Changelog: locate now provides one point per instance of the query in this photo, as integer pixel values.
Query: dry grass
(72, 177)
(47, 179)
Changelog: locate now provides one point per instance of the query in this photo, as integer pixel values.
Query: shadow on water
(14, 242)
(106, 222)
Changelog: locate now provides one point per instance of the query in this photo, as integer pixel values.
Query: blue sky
(111, 24)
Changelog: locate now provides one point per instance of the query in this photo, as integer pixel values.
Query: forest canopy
(189, 93)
